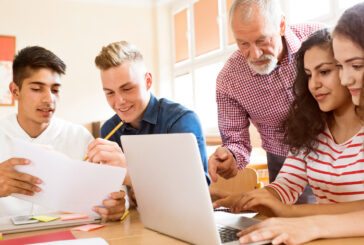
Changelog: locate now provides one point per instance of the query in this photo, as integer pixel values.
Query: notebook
(171, 190)
(7, 226)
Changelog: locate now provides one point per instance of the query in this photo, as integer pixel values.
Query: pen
(110, 134)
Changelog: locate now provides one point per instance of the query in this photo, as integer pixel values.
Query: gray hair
(116, 54)
(269, 8)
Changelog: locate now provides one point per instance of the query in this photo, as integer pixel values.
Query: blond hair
(116, 54)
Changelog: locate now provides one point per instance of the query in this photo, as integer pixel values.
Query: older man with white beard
(255, 86)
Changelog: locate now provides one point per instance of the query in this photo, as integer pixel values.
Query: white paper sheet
(68, 185)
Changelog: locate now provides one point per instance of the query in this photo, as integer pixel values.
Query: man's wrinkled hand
(222, 163)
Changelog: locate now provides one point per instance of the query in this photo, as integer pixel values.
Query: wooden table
(131, 232)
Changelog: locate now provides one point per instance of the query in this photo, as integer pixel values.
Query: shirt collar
(292, 43)
(150, 116)
(151, 113)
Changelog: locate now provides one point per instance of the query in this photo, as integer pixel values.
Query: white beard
(266, 68)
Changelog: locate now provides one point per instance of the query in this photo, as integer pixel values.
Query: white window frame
(193, 63)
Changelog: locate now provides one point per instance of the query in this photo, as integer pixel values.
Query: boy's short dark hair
(32, 58)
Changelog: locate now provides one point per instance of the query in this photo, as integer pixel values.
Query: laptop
(171, 190)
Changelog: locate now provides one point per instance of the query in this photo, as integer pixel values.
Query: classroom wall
(76, 31)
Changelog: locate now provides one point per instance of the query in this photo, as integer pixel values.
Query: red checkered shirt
(244, 96)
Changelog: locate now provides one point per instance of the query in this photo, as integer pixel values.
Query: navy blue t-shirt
(162, 116)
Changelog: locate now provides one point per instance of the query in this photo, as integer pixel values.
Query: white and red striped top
(335, 172)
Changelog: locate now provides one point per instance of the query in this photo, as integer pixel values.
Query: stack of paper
(68, 185)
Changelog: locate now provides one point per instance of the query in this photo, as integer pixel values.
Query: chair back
(245, 180)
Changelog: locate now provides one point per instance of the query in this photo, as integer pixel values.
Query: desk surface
(131, 231)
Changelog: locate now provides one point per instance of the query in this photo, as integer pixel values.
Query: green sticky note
(45, 218)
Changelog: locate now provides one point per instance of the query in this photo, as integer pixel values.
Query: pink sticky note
(87, 227)
(73, 216)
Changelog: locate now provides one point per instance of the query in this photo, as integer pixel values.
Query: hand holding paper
(113, 208)
(68, 185)
(13, 181)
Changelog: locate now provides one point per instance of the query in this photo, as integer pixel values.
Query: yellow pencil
(124, 215)
(110, 134)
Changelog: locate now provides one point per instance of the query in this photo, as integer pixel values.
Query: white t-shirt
(65, 137)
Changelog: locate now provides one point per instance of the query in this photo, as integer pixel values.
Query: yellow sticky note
(1, 236)
(44, 218)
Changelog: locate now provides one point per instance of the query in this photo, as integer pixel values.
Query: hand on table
(281, 230)
(260, 200)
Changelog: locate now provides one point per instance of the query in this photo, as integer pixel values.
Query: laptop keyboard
(227, 234)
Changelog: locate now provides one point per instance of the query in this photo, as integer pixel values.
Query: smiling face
(127, 91)
(37, 99)
(323, 79)
(350, 60)
(259, 42)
